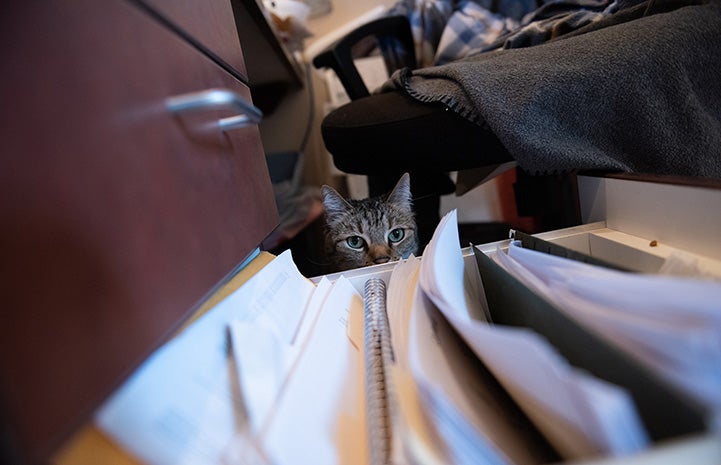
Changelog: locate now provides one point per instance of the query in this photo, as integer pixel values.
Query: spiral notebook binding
(378, 355)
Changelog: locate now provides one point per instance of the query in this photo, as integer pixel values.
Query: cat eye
(396, 235)
(355, 242)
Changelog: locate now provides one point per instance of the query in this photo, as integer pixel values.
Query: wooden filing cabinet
(118, 216)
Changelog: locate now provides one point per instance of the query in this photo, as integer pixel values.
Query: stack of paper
(443, 276)
(319, 417)
(580, 415)
(246, 384)
(451, 411)
(671, 324)
(181, 405)
(274, 373)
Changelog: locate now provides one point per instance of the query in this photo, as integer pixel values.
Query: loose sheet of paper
(265, 361)
(443, 275)
(413, 439)
(399, 304)
(181, 406)
(320, 416)
(573, 409)
(442, 391)
(467, 409)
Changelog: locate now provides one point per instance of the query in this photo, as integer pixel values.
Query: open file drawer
(645, 226)
(652, 217)
(642, 226)
(602, 237)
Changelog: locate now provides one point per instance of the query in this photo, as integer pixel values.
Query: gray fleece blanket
(633, 92)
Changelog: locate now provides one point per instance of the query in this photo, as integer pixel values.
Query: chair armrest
(395, 40)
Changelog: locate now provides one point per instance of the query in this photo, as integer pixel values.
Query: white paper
(572, 408)
(557, 397)
(264, 361)
(413, 441)
(442, 275)
(671, 324)
(465, 410)
(320, 416)
(182, 406)
(399, 303)
(317, 300)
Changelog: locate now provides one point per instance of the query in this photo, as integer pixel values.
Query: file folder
(535, 243)
(665, 412)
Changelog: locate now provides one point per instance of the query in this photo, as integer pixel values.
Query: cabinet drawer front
(117, 216)
(209, 22)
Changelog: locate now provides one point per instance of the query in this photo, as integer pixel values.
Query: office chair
(384, 135)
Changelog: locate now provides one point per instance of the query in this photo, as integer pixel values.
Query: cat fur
(375, 220)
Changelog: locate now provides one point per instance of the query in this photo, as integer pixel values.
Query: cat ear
(333, 202)
(401, 194)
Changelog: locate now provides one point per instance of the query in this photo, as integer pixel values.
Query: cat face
(369, 231)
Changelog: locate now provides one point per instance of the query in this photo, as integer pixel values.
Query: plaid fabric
(444, 31)
(513, 9)
(471, 28)
(576, 103)
(556, 18)
(428, 18)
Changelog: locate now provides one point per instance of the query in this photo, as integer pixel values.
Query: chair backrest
(394, 39)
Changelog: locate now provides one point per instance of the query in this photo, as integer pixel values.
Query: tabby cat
(369, 231)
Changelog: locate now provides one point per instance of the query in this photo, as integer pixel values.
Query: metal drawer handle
(217, 98)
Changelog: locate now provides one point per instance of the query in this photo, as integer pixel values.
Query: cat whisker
(314, 262)
(415, 199)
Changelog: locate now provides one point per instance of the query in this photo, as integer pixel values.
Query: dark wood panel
(116, 217)
(271, 66)
(209, 22)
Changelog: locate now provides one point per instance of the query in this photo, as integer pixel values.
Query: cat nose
(379, 260)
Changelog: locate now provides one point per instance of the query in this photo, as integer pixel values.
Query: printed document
(181, 406)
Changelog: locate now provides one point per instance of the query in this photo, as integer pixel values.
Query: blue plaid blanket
(445, 31)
